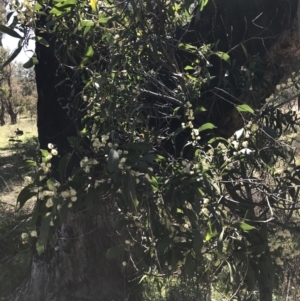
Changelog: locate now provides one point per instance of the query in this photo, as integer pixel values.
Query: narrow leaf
(189, 266)
(63, 165)
(224, 56)
(246, 227)
(113, 160)
(12, 57)
(9, 31)
(114, 252)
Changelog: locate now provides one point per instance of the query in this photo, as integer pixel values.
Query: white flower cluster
(86, 164)
(25, 238)
(97, 144)
(54, 151)
(195, 134)
(122, 162)
(187, 125)
(69, 193)
(45, 167)
(28, 180)
(189, 111)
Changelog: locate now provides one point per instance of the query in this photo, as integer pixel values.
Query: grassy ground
(14, 150)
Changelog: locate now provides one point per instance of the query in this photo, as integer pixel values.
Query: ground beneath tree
(14, 256)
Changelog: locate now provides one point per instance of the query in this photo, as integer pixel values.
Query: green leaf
(224, 56)
(250, 278)
(9, 31)
(88, 55)
(42, 41)
(44, 230)
(246, 227)
(245, 108)
(163, 245)
(202, 4)
(245, 51)
(150, 158)
(189, 266)
(31, 62)
(40, 248)
(188, 68)
(113, 160)
(65, 4)
(12, 56)
(211, 232)
(73, 142)
(25, 194)
(44, 154)
(30, 163)
(142, 278)
(230, 272)
(103, 20)
(56, 12)
(63, 163)
(206, 126)
(115, 251)
(139, 146)
(50, 182)
(88, 23)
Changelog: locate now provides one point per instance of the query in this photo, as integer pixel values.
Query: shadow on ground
(12, 161)
(14, 255)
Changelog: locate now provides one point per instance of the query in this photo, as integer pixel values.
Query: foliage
(194, 203)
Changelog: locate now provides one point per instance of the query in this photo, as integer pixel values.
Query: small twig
(165, 97)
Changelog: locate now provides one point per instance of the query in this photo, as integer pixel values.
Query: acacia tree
(137, 105)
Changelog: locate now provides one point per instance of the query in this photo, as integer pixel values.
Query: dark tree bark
(7, 102)
(79, 269)
(12, 114)
(2, 113)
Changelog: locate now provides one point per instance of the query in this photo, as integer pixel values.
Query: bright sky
(11, 44)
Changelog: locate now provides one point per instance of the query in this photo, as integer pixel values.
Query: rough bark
(79, 270)
(2, 113)
(12, 114)
(8, 104)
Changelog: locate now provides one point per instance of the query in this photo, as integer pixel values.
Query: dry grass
(27, 125)
(14, 256)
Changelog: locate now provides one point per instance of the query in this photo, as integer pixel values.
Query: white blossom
(74, 198)
(33, 233)
(49, 203)
(24, 236)
(54, 152)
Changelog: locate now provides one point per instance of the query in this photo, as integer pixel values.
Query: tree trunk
(266, 275)
(2, 113)
(9, 107)
(79, 269)
(12, 114)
